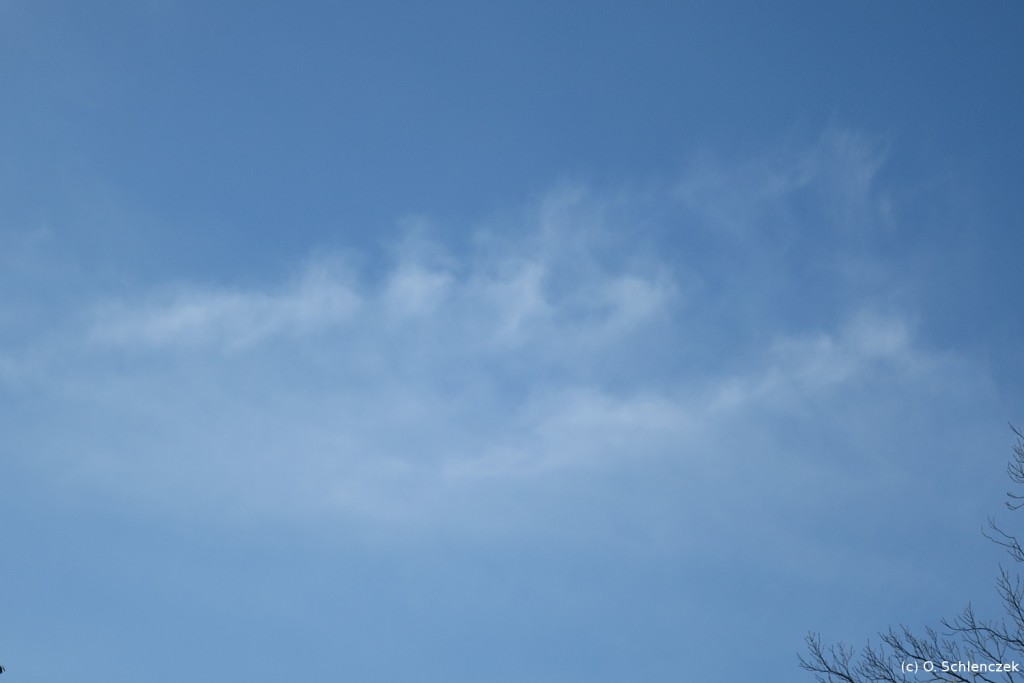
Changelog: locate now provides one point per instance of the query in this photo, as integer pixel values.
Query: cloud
(549, 364)
(802, 367)
(415, 292)
(194, 317)
(830, 183)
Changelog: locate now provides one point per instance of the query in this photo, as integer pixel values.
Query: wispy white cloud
(749, 197)
(193, 316)
(532, 366)
(798, 368)
(508, 293)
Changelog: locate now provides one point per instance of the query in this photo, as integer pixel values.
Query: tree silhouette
(903, 656)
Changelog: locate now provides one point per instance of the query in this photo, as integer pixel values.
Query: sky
(505, 342)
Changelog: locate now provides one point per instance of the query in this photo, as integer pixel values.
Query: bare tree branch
(902, 656)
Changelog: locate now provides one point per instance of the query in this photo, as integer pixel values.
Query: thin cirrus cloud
(839, 169)
(228, 319)
(496, 298)
(524, 369)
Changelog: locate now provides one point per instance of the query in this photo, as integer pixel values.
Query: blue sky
(509, 342)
